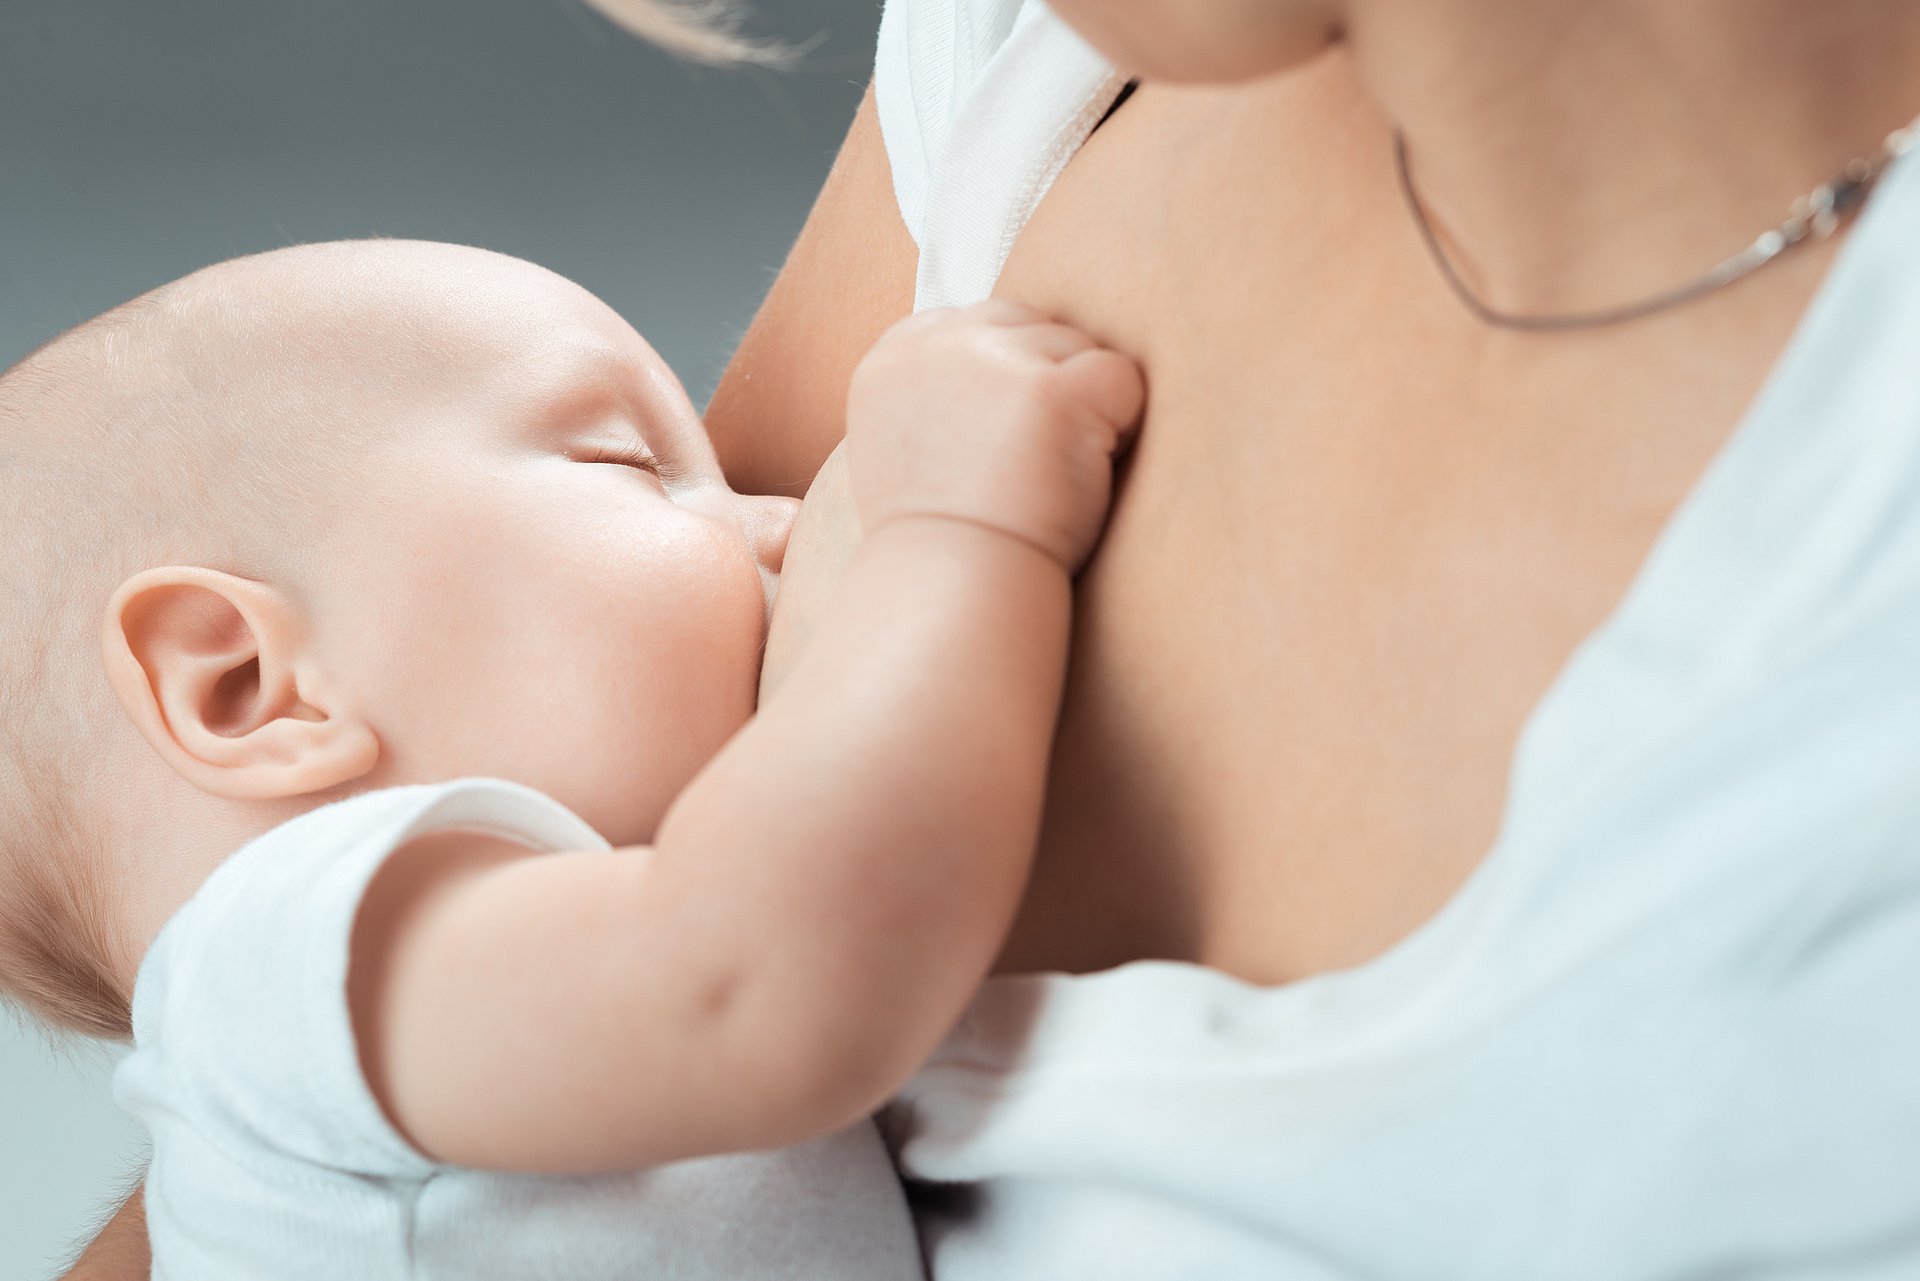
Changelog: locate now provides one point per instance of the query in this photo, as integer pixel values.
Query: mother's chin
(818, 552)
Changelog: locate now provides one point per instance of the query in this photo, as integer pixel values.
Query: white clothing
(1668, 1029)
(271, 1157)
(981, 105)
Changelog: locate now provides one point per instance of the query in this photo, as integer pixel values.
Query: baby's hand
(996, 416)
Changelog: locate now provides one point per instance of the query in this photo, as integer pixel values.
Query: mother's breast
(823, 542)
(1290, 704)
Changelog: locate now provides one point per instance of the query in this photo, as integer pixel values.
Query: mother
(1545, 814)
(1501, 744)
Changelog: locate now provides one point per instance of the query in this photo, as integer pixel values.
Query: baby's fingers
(1111, 384)
(1054, 342)
(1005, 312)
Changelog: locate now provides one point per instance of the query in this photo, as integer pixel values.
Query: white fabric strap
(970, 167)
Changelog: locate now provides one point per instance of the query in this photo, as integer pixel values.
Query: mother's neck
(1578, 153)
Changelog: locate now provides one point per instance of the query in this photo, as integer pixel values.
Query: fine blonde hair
(54, 945)
(136, 430)
(700, 30)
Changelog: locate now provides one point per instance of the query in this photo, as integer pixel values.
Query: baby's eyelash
(624, 454)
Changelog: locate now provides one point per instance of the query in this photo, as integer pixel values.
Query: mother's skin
(1363, 531)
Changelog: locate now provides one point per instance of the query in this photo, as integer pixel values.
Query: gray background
(140, 139)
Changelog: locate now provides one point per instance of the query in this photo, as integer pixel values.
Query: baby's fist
(993, 415)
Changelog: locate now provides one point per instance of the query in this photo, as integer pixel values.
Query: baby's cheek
(707, 626)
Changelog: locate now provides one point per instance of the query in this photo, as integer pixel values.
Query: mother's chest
(1340, 572)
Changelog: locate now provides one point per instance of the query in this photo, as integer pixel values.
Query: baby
(379, 661)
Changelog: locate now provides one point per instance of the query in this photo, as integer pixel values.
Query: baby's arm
(823, 898)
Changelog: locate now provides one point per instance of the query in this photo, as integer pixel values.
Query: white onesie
(271, 1158)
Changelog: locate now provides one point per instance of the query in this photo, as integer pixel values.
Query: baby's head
(339, 517)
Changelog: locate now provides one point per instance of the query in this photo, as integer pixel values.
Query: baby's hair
(172, 425)
(53, 940)
(700, 30)
(53, 943)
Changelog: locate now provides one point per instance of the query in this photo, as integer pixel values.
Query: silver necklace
(1813, 217)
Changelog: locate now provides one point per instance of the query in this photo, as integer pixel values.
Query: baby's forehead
(385, 315)
(393, 291)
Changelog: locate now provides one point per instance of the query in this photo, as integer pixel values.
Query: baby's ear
(212, 671)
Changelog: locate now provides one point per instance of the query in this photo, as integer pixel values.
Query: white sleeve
(241, 1025)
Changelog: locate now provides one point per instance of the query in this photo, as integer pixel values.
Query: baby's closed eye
(624, 454)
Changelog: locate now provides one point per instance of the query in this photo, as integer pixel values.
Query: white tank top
(1670, 1028)
(981, 104)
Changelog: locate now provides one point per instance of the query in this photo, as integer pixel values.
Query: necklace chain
(1813, 217)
